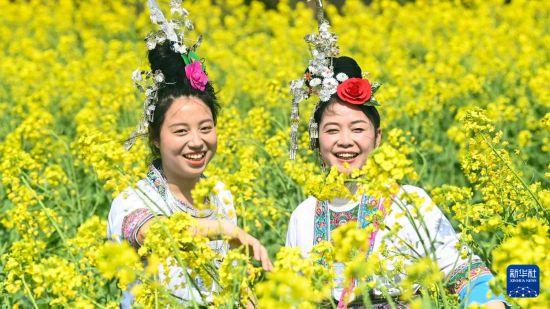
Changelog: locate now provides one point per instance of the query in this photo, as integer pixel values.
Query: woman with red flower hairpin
(345, 129)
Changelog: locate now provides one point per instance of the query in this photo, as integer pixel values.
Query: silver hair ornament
(150, 82)
(322, 47)
(319, 79)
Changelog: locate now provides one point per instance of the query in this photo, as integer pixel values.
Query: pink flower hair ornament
(196, 75)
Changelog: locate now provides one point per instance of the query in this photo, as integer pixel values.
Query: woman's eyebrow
(178, 124)
(186, 124)
(331, 123)
(205, 120)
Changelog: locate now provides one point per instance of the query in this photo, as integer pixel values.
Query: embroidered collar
(157, 180)
(321, 224)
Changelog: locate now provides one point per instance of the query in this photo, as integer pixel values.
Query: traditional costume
(151, 197)
(313, 220)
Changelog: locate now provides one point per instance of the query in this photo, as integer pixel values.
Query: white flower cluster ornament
(171, 30)
(324, 47)
(319, 78)
(149, 82)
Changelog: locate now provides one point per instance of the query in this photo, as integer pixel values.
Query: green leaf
(372, 102)
(375, 87)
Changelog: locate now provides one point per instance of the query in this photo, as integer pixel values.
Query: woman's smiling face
(188, 139)
(346, 135)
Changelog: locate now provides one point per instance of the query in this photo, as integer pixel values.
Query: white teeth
(195, 156)
(346, 155)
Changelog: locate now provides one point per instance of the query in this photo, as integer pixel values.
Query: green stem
(280, 173)
(410, 217)
(366, 298)
(29, 292)
(515, 174)
(57, 228)
(388, 297)
(156, 299)
(424, 226)
(98, 305)
(442, 289)
(184, 267)
(422, 157)
(72, 174)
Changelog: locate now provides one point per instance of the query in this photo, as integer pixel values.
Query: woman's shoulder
(415, 197)
(223, 193)
(409, 189)
(409, 193)
(305, 208)
(220, 187)
(300, 227)
(133, 194)
(127, 195)
(128, 201)
(410, 197)
(225, 199)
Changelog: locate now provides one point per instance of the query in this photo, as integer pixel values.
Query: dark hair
(352, 69)
(175, 85)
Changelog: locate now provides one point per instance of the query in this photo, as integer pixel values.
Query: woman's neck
(352, 187)
(181, 187)
(345, 202)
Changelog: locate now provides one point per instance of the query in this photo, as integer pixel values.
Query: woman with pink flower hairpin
(179, 120)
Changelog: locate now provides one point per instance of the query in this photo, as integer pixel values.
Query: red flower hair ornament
(357, 91)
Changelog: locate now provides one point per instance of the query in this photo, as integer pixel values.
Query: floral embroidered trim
(463, 274)
(322, 220)
(340, 218)
(157, 180)
(133, 222)
(320, 224)
(370, 205)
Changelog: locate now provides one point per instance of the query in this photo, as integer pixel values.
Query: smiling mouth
(346, 155)
(195, 156)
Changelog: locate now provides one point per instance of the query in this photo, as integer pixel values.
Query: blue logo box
(523, 281)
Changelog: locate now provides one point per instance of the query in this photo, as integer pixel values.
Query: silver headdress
(319, 79)
(149, 82)
(323, 47)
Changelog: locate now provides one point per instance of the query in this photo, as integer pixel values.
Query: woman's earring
(323, 163)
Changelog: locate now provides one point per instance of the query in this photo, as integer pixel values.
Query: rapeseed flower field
(465, 107)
